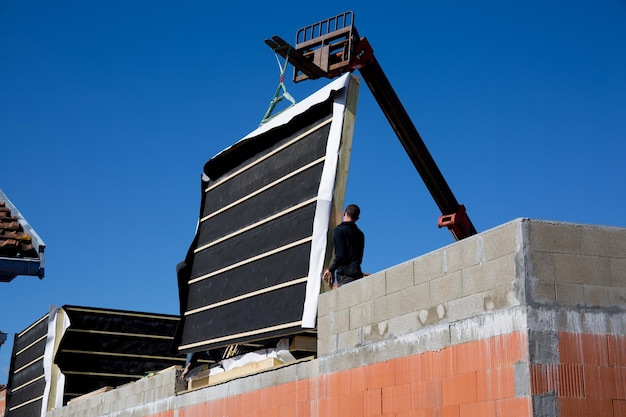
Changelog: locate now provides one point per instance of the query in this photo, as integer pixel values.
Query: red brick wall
(590, 379)
(468, 380)
(3, 400)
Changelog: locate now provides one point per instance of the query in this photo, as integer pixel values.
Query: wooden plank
(239, 372)
(90, 394)
(303, 344)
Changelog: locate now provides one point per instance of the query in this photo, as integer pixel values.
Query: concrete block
(545, 405)
(361, 315)
(373, 286)
(580, 269)
(339, 321)
(604, 241)
(568, 294)
(543, 346)
(523, 387)
(541, 265)
(501, 271)
(542, 292)
(463, 254)
(376, 332)
(327, 302)
(394, 304)
(326, 345)
(349, 295)
(323, 326)
(465, 307)
(428, 267)
(445, 288)
(501, 241)
(618, 297)
(473, 281)
(430, 338)
(597, 296)
(618, 272)
(380, 311)
(555, 237)
(433, 315)
(500, 298)
(349, 339)
(399, 277)
(484, 326)
(404, 324)
(415, 298)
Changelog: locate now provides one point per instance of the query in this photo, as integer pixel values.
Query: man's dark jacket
(349, 243)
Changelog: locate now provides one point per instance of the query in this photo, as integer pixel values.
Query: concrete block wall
(466, 280)
(525, 319)
(576, 283)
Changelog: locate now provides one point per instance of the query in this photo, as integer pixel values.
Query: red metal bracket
(458, 223)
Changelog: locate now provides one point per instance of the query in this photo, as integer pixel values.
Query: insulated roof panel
(253, 269)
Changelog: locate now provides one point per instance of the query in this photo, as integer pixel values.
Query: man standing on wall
(349, 242)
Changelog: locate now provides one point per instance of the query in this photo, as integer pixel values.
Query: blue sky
(109, 110)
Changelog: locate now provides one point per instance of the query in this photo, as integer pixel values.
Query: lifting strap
(278, 97)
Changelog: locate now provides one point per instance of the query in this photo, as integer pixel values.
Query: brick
(459, 389)
(585, 407)
(584, 349)
(495, 383)
(442, 363)
(396, 399)
(380, 375)
(449, 411)
(619, 407)
(478, 409)
(600, 382)
(617, 350)
(372, 402)
(514, 407)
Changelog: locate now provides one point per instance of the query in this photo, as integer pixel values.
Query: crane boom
(332, 47)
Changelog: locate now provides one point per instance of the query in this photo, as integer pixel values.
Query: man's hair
(353, 211)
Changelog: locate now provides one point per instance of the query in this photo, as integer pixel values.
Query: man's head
(352, 212)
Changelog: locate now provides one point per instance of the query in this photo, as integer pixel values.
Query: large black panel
(247, 273)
